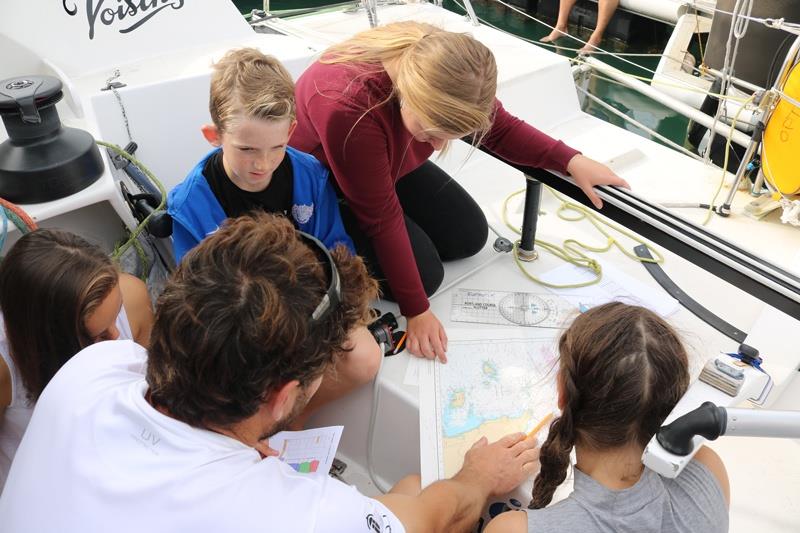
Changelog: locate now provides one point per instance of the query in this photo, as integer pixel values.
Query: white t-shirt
(97, 457)
(15, 418)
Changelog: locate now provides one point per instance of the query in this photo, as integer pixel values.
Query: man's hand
(587, 173)
(455, 504)
(262, 447)
(426, 336)
(502, 466)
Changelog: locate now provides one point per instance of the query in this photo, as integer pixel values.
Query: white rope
(598, 52)
(376, 398)
(682, 85)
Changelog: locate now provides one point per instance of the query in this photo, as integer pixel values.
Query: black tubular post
(533, 197)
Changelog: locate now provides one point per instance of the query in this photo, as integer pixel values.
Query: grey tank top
(692, 502)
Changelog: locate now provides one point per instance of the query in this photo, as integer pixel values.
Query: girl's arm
(5, 386)
(138, 307)
(712, 461)
(508, 522)
(519, 142)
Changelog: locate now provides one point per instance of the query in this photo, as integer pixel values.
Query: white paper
(615, 286)
(412, 370)
(309, 452)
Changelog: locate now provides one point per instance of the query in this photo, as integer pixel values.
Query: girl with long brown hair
(58, 295)
(622, 370)
(373, 109)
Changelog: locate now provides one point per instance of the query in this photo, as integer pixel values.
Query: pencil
(400, 344)
(538, 427)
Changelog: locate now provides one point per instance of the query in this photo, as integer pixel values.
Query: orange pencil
(538, 427)
(400, 344)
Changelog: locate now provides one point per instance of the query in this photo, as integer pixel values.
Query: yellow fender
(782, 140)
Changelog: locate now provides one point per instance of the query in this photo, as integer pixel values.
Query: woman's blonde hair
(447, 79)
(249, 83)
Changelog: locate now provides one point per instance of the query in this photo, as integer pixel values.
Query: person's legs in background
(605, 10)
(564, 7)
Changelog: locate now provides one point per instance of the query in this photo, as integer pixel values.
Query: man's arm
(455, 504)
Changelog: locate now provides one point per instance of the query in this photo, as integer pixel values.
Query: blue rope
(5, 228)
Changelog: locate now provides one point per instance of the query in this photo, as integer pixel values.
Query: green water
(650, 40)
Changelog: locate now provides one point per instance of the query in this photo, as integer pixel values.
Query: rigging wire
(737, 30)
(594, 48)
(683, 85)
(649, 131)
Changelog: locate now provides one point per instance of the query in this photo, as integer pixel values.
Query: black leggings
(444, 223)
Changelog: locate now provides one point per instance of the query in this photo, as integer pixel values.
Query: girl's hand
(426, 336)
(587, 173)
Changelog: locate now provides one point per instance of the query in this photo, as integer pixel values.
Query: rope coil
(571, 250)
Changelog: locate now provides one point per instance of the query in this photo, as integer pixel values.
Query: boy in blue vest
(252, 108)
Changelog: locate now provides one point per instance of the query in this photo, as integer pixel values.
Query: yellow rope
(699, 41)
(570, 251)
(143, 224)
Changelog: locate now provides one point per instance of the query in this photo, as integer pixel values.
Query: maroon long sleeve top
(348, 119)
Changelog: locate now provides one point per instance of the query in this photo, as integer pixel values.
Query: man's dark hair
(233, 323)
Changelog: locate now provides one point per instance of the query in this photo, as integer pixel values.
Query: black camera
(384, 329)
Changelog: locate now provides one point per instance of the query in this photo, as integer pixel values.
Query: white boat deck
(537, 86)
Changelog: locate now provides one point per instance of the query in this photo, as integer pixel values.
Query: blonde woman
(373, 109)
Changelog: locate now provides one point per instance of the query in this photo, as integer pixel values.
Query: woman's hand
(426, 336)
(587, 173)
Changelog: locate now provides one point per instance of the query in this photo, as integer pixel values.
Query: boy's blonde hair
(248, 83)
(448, 79)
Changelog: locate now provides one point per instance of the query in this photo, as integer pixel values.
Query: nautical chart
(511, 308)
(494, 383)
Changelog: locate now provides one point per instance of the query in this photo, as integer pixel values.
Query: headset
(333, 295)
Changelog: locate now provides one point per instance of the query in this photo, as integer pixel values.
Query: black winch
(42, 160)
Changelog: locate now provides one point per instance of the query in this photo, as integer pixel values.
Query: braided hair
(622, 370)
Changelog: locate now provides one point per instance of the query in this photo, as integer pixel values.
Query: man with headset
(176, 439)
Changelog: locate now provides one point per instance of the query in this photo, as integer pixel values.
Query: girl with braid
(622, 370)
